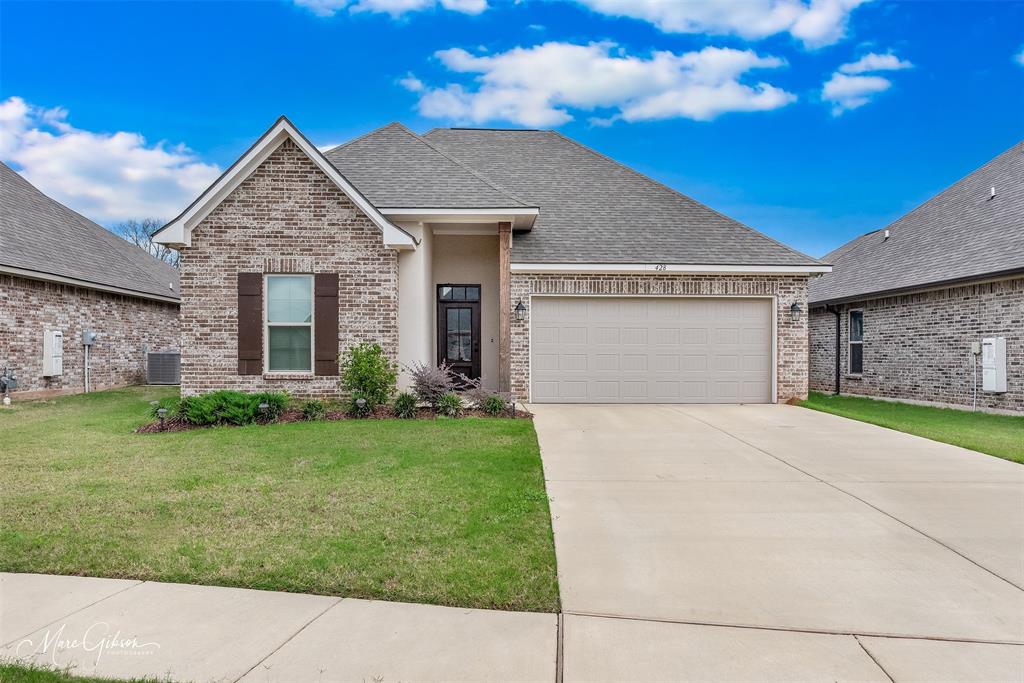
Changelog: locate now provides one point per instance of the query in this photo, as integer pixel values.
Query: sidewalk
(120, 629)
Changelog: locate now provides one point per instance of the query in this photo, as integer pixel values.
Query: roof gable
(40, 237)
(179, 231)
(596, 210)
(962, 233)
(396, 168)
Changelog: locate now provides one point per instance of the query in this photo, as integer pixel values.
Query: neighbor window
(856, 342)
(289, 321)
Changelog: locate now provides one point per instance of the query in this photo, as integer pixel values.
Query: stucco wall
(917, 346)
(472, 259)
(791, 348)
(287, 217)
(127, 328)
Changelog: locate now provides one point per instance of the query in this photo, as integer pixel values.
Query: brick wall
(792, 336)
(287, 217)
(127, 326)
(916, 346)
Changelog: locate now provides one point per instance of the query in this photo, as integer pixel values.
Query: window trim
(267, 324)
(850, 342)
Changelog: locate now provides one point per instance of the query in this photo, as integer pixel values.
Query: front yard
(449, 512)
(998, 435)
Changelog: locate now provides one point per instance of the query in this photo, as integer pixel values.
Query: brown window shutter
(250, 323)
(325, 312)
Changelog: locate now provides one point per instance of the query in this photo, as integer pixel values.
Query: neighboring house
(921, 293)
(519, 256)
(62, 275)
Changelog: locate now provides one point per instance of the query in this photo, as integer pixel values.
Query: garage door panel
(656, 350)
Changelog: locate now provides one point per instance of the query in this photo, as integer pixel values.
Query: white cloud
(1019, 57)
(875, 62)
(849, 88)
(395, 8)
(538, 86)
(815, 22)
(105, 176)
(411, 83)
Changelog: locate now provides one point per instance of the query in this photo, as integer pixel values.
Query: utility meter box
(993, 364)
(53, 353)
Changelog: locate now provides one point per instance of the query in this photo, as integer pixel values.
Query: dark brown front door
(458, 328)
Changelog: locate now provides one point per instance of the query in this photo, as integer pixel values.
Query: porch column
(504, 307)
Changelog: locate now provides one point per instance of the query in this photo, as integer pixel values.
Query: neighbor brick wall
(792, 337)
(127, 327)
(916, 346)
(287, 217)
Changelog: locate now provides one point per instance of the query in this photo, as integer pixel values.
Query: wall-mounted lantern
(520, 311)
(795, 312)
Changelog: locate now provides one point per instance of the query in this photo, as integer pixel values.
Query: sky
(813, 121)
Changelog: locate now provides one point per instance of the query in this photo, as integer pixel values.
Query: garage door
(651, 350)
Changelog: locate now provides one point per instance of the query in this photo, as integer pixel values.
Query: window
(289, 321)
(458, 293)
(856, 342)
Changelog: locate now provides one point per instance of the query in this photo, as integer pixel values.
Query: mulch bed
(177, 424)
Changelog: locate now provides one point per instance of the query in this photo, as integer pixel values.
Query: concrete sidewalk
(121, 629)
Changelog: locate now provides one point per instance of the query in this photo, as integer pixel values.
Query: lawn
(998, 435)
(16, 672)
(448, 512)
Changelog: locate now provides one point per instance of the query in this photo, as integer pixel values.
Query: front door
(458, 328)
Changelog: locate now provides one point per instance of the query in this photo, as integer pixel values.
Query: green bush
(231, 407)
(365, 410)
(405, 405)
(172, 404)
(449, 404)
(366, 371)
(494, 405)
(314, 410)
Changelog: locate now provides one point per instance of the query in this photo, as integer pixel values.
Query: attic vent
(163, 368)
(992, 193)
(885, 235)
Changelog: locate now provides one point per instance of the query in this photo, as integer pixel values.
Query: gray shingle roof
(396, 168)
(959, 234)
(42, 235)
(596, 210)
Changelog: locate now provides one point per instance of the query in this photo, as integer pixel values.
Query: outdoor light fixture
(520, 311)
(264, 409)
(795, 311)
(162, 414)
(361, 402)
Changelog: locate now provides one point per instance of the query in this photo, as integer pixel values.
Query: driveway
(750, 542)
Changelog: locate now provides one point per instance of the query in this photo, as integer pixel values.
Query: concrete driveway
(775, 542)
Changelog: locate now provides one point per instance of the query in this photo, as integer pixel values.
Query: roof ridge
(680, 194)
(479, 176)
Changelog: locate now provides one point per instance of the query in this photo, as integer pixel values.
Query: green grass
(11, 672)
(448, 512)
(998, 435)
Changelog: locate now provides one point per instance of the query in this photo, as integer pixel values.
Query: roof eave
(85, 284)
(935, 284)
(673, 268)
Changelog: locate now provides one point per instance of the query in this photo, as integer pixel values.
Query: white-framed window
(856, 355)
(288, 323)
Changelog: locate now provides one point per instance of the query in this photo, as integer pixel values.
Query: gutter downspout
(835, 311)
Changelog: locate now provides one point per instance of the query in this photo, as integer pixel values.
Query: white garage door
(651, 350)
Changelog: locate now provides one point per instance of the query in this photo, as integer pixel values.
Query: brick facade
(127, 326)
(286, 217)
(917, 346)
(791, 349)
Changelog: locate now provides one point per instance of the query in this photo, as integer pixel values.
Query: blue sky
(125, 110)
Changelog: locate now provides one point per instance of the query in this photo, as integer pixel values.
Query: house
(517, 256)
(907, 310)
(61, 275)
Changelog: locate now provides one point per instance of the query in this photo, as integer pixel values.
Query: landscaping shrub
(365, 410)
(314, 410)
(231, 407)
(367, 371)
(473, 390)
(405, 405)
(172, 404)
(430, 383)
(494, 405)
(450, 404)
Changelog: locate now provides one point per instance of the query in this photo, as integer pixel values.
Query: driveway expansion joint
(337, 601)
(873, 659)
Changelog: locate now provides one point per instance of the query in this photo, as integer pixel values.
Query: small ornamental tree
(367, 372)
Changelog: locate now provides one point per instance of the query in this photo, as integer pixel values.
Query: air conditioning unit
(163, 368)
